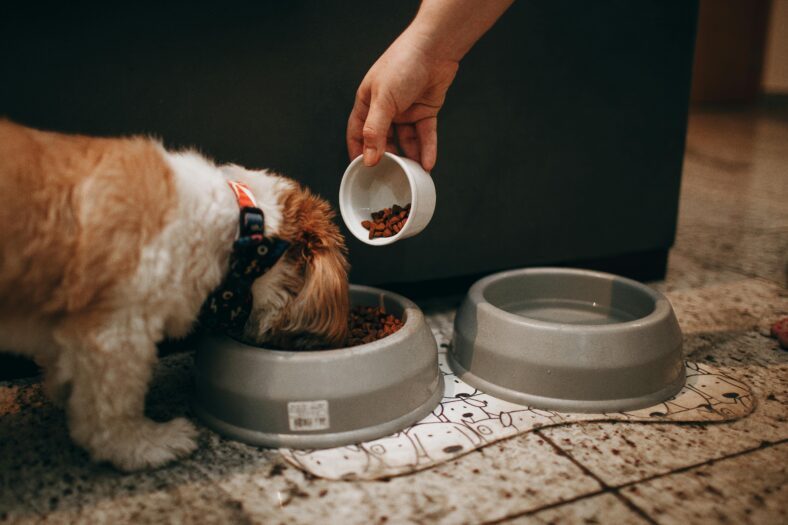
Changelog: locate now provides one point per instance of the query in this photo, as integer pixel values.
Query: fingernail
(369, 156)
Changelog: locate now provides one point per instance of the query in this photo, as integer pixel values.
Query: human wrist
(426, 40)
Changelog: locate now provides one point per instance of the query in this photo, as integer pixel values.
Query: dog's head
(303, 302)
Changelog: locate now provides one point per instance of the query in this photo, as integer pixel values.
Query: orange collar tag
(243, 194)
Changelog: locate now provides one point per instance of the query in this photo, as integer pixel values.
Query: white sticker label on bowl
(308, 415)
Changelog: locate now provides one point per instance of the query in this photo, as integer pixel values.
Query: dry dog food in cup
(365, 190)
(387, 222)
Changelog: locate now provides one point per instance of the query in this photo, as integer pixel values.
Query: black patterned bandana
(229, 305)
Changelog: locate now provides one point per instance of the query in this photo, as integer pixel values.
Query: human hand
(397, 103)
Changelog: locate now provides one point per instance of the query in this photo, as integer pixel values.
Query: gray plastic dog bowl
(568, 340)
(325, 398)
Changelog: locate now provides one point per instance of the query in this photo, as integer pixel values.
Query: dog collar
(229, 305)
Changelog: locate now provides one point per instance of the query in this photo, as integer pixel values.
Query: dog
(110, 245)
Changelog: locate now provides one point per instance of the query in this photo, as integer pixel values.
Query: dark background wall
(561, 139)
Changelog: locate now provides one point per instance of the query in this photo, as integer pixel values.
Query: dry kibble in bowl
(387, 222)
(370, 323)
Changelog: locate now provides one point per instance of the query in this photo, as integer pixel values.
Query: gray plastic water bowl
(325, 398)
(569, 340)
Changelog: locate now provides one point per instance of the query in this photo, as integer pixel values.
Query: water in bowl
(568, 311)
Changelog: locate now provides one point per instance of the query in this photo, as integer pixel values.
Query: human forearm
(447, 29)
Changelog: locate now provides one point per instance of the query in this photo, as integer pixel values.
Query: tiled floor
(727, 281)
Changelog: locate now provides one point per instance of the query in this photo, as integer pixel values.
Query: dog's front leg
(112, 366)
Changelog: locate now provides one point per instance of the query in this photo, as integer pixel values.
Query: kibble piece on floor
(387, 222)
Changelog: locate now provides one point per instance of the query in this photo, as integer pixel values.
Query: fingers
(355, 131)
(355, 143)
(408, 141)
(355, 124)
(427, 133)
(376, 128)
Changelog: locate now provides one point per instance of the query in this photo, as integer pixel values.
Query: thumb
(376, 127)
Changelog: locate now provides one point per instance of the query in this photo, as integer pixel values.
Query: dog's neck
(207, 225)
(227, 308)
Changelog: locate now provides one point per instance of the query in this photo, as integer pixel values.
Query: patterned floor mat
(468, 419)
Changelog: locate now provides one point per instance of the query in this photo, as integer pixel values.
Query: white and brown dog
(109, 245)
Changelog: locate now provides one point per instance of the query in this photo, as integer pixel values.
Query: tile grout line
(633, 507)
(615, 489)
(606, 488)
(763, 446)
(549, 506)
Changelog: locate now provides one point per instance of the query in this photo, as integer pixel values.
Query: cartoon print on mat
(467, 419)
(705, 390)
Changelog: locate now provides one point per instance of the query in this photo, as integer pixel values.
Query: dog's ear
(323, 304)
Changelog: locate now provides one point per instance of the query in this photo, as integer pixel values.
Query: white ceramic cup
(394, 180)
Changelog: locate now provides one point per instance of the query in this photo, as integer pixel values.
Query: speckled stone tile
(719, 194)
(185, 503)
(685, 273)
(751, 488)
(757, 254)
(621, 453)
(603, 508)
(521, 474)
(740, 305)
(732, 211)
(43, 473)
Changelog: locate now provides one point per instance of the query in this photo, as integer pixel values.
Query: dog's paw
(146, 444)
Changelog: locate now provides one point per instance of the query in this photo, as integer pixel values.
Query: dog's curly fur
(111, 244)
